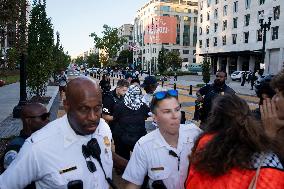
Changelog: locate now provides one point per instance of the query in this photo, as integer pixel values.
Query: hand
(272, 124)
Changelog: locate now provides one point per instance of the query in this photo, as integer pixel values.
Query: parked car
(237, 75)
(262, 80)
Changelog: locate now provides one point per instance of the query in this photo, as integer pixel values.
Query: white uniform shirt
(151, 156)
(55, 148)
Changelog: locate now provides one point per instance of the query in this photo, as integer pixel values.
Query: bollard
(113, 82)
(190, 90)
(119, 76)
(175, 86)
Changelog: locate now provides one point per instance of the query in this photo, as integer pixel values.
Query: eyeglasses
(91, 166)
(163, 94)
(43, 116)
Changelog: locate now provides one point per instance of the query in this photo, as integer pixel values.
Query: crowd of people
(232, 148)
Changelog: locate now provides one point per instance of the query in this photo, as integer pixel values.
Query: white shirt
(55, 148)
(151, 156)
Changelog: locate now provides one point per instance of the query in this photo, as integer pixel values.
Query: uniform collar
(71, 137)
(183, 139)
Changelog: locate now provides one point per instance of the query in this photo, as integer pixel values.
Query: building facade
(230, 35)
(145, 51)
(126, 31)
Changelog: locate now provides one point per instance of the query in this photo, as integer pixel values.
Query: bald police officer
(59, 155)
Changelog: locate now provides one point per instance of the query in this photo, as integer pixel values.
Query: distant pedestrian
(62, 79)
(175, 77)
(253, 78)
(105, 84)
(243, 78)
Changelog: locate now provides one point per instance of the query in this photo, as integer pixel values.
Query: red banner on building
(161, 29)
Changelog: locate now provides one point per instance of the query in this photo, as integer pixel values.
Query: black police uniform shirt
(109, 100)
(210, 92)
(105, 85)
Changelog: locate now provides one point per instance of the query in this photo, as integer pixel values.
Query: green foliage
(110, 41)
(93, 60)
(40, 49)
(79, 60)
(60, 59)
(162, 67)
(125, 57)
(173, 60)
(206, 71)
(12, 58)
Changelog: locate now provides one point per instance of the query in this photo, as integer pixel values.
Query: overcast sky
(77, 19)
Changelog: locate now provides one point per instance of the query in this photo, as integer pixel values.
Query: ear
(66, 105)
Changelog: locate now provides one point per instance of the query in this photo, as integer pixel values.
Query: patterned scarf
(133, 97)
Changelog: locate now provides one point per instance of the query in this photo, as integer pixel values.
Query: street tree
(12, 58)
(206, 71)
(40, 49)
(61, 60)
(79, 60)
(173, 60)
(110, 42)
(93, 60)
(125, 57)
(162, 67)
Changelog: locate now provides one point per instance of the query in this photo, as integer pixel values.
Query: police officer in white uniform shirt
(59, 155)
(163, 154)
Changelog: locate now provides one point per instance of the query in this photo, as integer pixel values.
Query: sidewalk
(9, 98)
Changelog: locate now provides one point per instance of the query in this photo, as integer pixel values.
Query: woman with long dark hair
(233, 152)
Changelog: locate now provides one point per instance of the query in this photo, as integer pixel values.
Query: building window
(261, 2)
(194, 52)
(200, 30)
(275, 32)
(235, 6)
(215, 41)
(247, 4)
(224, 25)
(246, 37)
(215, 27)
(194, 60)
(235, 22)
(216, 2)
(207, 42)
(201, 18)
(165, 8)
(185, 60)
(200, 43)
(225, 10)
(224, 40)
(185, 51)
(247, 19)
(208, 3)
(216, 13)
(201, 5)
(207, 29)
(259, 35)
(276, 12)
(234, 38)
(208, 16)
(260, 13)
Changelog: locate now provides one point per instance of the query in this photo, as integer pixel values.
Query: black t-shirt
(210, 92)
(130, 122)
(105, 85)
(109, 100)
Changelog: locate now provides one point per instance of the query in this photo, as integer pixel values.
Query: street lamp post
(264, 27)
(23, 75)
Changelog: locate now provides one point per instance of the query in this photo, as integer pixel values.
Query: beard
(218, 83)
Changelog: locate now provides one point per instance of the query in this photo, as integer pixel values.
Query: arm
(107, 113)
(119, 162)
(107, 118)
(132, 186)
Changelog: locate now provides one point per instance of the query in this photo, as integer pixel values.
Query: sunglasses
(163, 94)
(43, 116)
(91, 165)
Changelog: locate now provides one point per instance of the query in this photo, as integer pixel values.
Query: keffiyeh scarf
(133, 98)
